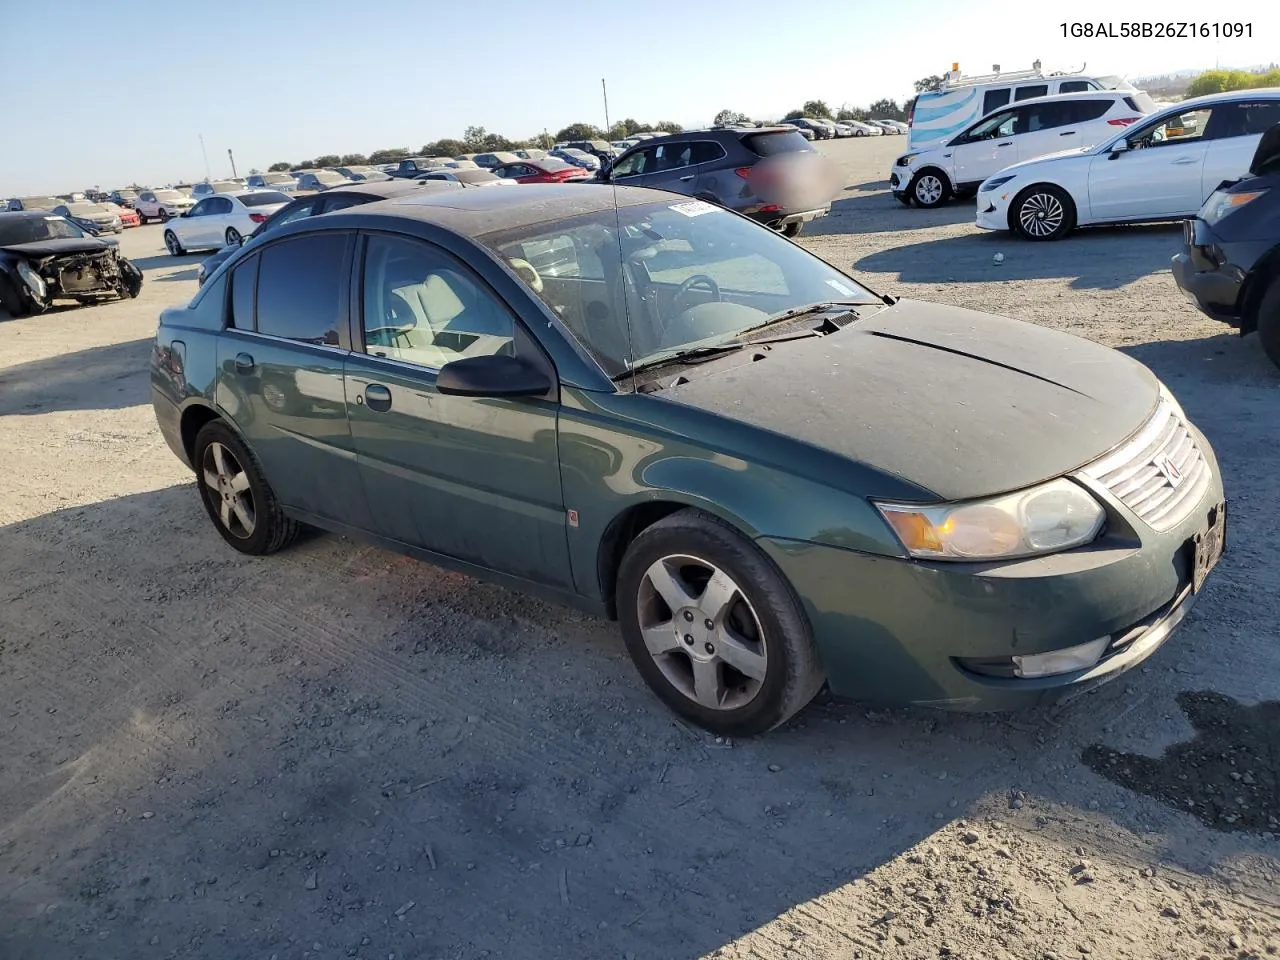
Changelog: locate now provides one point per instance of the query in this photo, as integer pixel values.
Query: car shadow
(167, 260)
(76, 380)
(190, 273)
(1097, 259)
(342, 725)
(857, 213)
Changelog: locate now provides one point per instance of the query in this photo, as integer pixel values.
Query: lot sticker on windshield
(841, 288)
(694, 208)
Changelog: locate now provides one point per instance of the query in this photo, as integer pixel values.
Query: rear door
(1047, 127)
(1233, 135)
(281, 365)
(476, 479)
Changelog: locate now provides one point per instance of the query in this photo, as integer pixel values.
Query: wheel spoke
(219, 461)
(733, 652)
(224, 513)
(243, 515)
(717, 596)
(240, 482)
(707, 688)
(672, 590)
(660, 638)
(210, 479)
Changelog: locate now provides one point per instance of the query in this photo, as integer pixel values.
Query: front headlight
(1054, 516)
(905, 159)
(994, 183)
(1221, 202)
(33, 280)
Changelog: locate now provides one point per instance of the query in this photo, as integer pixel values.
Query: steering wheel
(691, 283)
(527, 272)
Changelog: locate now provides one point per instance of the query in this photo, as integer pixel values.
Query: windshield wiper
(693, 355)
(822, 306)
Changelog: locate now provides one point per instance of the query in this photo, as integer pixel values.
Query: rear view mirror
(493, 376)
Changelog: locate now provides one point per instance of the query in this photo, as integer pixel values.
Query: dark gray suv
(772, 175)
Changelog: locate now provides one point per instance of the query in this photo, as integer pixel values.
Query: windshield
(34, 229)
(126, 194)
(686, 275)
(330, 178)
(263, 198)
(277, 178)
(169, 195)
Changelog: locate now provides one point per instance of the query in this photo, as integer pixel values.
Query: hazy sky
(278, 81)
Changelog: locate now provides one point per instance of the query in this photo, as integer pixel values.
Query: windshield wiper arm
(700, 354)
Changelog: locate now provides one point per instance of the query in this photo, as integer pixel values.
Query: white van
(939, 114)
(1023, 131)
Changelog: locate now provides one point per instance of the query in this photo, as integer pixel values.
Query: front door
(1159, 176)
(281, 364)
(988, 147)
(477, 479)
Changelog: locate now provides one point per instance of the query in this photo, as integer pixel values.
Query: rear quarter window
(772, 144)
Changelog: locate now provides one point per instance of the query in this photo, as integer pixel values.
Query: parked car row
(818, 128)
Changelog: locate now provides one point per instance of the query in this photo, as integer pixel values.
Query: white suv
(161, 205)
(1012, 134)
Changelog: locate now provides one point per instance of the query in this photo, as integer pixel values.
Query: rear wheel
(713, 627)
(793, 228)
(173, 244)
(1269, 322)
(929, 188)
(1042, 212)
(236, 494)
(233, 237)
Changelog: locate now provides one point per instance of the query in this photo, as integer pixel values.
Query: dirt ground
(338, 752)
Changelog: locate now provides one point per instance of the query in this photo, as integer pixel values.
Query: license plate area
(1208, 546)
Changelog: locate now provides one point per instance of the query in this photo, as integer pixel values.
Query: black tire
(1042, 212)
(142, 219)
(272, 528)
(929, 188)
(173, 244)
(793, 228)
(165, 215)
(791, 673)
(232, 237)
(903, 198)
(1268, 324)
(11, 301)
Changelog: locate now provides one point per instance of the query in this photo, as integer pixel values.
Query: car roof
(381, 188)
(24, 214)
(475, 213)
(251, 192)
(1073, 95)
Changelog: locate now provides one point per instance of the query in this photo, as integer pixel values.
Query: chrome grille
(1160, 474)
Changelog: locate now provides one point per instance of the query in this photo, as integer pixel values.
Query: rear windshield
(127, 194)
(168, 195)
(38, 203)
(86, 209)
(782, 141)
(474, 176)
(1114, 83)
(226, 186)
(277, 178)
(1141, 102)
(263, 198)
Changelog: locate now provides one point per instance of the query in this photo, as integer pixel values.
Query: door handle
(1067, 133)
(377, 397)
(689, 177)
(1182, 161)
(244, 363)
(1005, 143)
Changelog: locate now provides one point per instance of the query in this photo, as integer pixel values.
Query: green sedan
(657, 410)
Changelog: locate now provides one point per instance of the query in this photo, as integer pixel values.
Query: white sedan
(1160, 168)
(221, 220)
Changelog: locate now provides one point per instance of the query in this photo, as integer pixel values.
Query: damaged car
(44, 258)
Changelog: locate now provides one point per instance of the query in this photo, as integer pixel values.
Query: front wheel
(173, 244)
(713, 628)
(233, 237)
(164, 215)
(236, 494)
(929, 189)
(1269, 322)
(11, 301)
(142, 217)
(1042, 212)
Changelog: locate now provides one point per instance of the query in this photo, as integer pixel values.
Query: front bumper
(993, 208)
(909, 631)
(1212, 274)
(780, 218)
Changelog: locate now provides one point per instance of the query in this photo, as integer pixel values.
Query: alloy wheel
(1041, 214)
(702, 632)
(227, 485)
(928, 190)
(171, 243)
(233, 236)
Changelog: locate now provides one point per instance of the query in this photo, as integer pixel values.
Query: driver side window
(200, 209)
(635, 164)
(1171, 130)
(422, 307)
(1000, 125)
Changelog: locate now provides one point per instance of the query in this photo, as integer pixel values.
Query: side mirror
(91, 230)
(494, 376)
(185, 213)
(1119, 147)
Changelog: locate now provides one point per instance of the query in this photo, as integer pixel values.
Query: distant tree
(546, 141)
(1222, 81)
(473, 137)
(817, 108)
(793, 114)
(390, 155)
(579, 131)
(353, 160)
(279, 166)
(668, 126)
(495, 141)
(445, 148)
(625, 128)
(853, 113)
(887, 110)
(928, 83)
(726, 117)
(304, 165)
(328, 160)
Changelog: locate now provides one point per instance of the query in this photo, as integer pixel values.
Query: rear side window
(1074, 86)
(994, 100)
(705, 151)
(1026, 93)
(1244, 118)
(1141, 102)
(1043, 116)
(300, 288)
(772, 144)
(1082, 111)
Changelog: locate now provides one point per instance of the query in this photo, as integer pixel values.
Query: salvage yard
(341, 752)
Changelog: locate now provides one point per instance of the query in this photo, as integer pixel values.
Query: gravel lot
(339, 752)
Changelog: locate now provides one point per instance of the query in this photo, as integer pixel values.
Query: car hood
(58, 248)
(1016, 168)
(961, 403)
